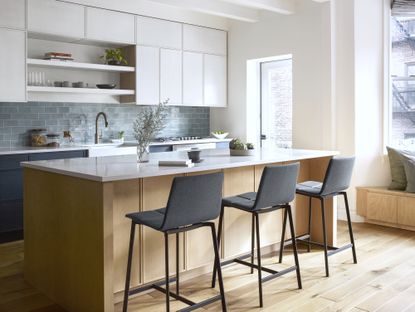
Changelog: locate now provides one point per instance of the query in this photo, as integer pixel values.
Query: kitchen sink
(110, 149)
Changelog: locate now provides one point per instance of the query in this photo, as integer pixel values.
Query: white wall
(305, 35)
(359, 91)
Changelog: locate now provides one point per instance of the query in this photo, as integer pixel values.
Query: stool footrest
(255, 266)
(150, 286)
(273, 273)
(303, 239)
(192, 305)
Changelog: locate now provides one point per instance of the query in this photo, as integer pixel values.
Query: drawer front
(56, 155)
(381, 207)
(11, 212)
(11, 184)
(406, 211)
(161, 148)
(9, 162)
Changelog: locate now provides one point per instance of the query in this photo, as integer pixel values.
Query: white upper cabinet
(110, 26)
(13, 14)
(192, 79)
(56, 18)
(215, 81)
(171, 76)
(206, 40)
(148, 75)
(13, 65)
(159, 33)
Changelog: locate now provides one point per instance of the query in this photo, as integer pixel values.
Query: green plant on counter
(237, 144)
(150, 121)
(114, 57)
(120, 134)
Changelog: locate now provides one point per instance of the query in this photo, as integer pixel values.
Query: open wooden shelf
(80, 90)
(77, 65)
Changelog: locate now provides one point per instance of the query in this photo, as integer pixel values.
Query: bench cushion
(397, 168)
(409, 164)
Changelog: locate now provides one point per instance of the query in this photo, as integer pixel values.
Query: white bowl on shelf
(220, 136)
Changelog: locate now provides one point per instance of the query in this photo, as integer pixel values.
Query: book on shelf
(177, 163)
(58, 54)
(59, 59)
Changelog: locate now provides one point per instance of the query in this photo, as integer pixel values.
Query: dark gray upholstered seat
(336, 182)
(276, 190)
(153, 218)
(277, 187)
(309, 187)
(194, 201)
(243, 201)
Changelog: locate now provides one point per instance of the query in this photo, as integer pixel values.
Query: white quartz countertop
(115, 168)
(29, 150)
(80, 146)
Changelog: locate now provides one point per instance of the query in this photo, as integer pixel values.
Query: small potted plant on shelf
(238, 148)
(119, 139)
(150, 121)
(114, 57)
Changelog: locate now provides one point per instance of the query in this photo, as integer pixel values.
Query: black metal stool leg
(349, 223)
(309, 224)
(284, 226)
(258, 246)
(217, 262)
(252, 242)
(128, 276)
(220, 226)
(323, 220)
(166, 260)
(294, 242)
(177, 264)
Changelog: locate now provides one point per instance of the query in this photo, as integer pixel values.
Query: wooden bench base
(384, 207)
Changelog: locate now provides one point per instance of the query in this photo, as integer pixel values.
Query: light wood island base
(76, 233)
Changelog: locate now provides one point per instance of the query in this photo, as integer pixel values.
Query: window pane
(402, 110)
(276, 103)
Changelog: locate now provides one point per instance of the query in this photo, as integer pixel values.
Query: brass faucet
(97, 138)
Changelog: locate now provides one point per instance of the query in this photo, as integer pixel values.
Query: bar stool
(276, 190)
(193, 201)
(336, 182)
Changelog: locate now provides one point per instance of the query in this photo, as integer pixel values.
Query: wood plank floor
(383, 280)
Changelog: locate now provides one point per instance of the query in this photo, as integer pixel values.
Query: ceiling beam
(277, 6)
(215, 7)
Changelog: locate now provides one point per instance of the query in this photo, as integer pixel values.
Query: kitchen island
(76, 233)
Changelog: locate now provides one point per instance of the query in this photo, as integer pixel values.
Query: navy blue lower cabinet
(11, 197)
(161, 148)
(11, 190)
(57, 155)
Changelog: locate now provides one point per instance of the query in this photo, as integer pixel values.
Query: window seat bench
(385, 207)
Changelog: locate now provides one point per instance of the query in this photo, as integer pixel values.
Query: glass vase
(143, 154)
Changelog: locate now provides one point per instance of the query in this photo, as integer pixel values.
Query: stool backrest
(193, 199)
(338, 175)
(277, 186)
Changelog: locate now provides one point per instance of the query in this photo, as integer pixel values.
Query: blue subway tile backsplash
(16, 120)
